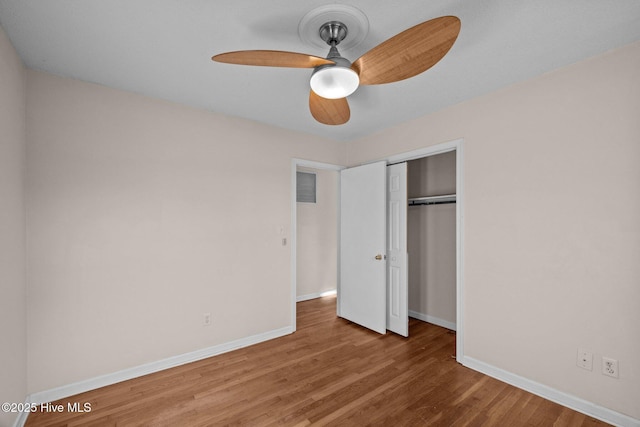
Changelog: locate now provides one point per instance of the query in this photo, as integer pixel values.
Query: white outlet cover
(610, 367)
(206, 321)
(585, 359)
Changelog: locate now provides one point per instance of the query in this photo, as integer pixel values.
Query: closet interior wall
(431, 241)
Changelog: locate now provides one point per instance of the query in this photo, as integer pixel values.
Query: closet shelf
(433, 200)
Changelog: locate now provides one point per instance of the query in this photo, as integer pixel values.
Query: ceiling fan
(334, 78)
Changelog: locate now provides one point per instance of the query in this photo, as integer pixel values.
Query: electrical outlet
(585, 359)
(206, 319)
(610, 367)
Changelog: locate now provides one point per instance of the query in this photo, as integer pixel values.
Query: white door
(397, 268)
(362, 296)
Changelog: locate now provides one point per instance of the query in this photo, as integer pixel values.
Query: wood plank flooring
(330, 372)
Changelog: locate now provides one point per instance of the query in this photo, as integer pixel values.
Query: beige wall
(317, 237)
(551, 222)
(13, 344)
(431, 240)
(143, 215)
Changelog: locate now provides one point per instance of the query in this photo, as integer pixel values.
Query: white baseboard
(21, 419)
(432, 319)
(562, 398)
(316, 295)
(149, 368)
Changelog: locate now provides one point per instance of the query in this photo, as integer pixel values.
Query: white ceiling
(162, 48)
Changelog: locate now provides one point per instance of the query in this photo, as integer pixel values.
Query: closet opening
(431, 239)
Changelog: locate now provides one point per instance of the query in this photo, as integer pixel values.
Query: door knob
(379, 257)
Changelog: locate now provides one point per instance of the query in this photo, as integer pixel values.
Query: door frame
(455, 145)
(295, 164)
(445, 147)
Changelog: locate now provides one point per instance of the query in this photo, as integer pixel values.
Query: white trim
(295, 163)
(316, 165)
(432, 319)
(21, 419)
(444, 147)
(604, 414)
(149, 368)
(459, 249)
(307, 297)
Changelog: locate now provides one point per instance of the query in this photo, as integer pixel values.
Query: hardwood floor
(330, 372)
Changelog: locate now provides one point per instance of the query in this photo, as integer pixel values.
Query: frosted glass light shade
(334, 82)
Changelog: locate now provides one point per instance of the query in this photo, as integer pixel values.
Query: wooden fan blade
(409, 53)
(271, 58)
(329, 111)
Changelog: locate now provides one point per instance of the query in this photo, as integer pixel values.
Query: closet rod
(432, 200)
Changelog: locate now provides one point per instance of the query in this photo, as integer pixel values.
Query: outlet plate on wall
(585, 359)
(610, 367)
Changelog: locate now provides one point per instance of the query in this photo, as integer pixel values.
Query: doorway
(316, 233)
(314, 237)
(431, 239)
(456, 146)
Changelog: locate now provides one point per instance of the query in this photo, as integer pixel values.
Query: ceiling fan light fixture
(334, 81)
(400, 57)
